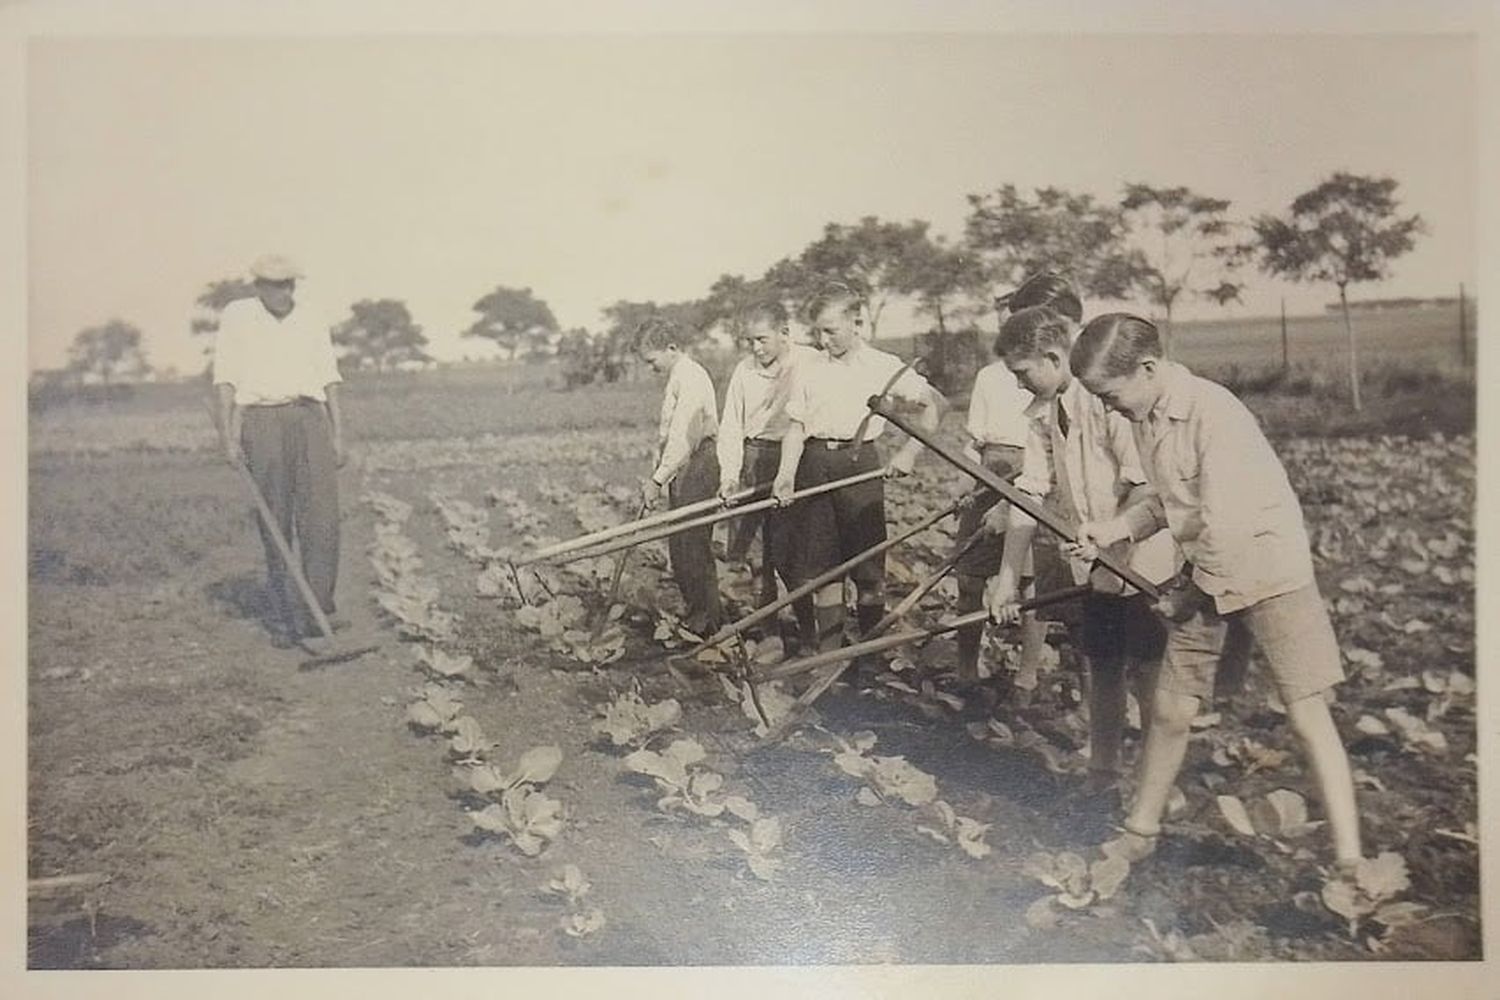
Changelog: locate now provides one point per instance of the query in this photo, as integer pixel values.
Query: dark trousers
(832, 527)
(289, 451)
(762, 460)
(691, 552)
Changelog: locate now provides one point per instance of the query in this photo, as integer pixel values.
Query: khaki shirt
(1089, 472)
(1222, 492)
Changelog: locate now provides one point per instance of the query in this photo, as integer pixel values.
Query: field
(491, 787)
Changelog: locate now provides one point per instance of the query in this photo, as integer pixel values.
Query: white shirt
(1223, 493)
(829, 394)
(689, 413)
(755, 407)
(1089, 471)
(997, 407)
(271, 361)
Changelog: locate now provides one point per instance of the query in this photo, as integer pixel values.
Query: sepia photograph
(646, 492)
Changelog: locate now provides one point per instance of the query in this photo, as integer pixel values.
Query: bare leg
(1161, 760)
(1314, 726)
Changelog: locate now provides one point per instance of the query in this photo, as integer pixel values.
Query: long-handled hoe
(324, 650)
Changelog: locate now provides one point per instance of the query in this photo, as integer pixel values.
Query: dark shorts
(1116, 629)
(983, 559)
(827, 529)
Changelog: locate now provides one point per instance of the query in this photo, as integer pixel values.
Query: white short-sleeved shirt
(829, 395)
(997, 407)
(755, 406)
(271, 361)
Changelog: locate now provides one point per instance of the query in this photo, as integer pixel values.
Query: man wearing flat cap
(276, 380)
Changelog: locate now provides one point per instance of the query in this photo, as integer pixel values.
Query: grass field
(243, 810)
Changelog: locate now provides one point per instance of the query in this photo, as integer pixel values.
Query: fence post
(1286, 364)
(1463, 333)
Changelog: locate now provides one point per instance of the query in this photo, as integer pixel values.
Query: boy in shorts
(1084, 458)
(997, 428)
(1221, 491)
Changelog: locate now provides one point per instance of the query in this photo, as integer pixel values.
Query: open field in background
(1413, 383)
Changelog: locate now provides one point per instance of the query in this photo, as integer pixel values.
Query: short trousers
(1115, 628)
(983, 558)
(1292, 630)
(827, 529)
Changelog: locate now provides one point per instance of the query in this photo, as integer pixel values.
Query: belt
(998, 444)
(835, 444)
(299, 401)
(762, 442)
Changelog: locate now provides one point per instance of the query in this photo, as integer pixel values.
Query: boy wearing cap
(751, 429)
(1221, 491)
(276, 381)
(687, 467)
(830, 436)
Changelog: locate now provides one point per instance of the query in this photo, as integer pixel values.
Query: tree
(1184, 242)
(1343, 231)
(380, 334)
(733, 301)
(108, 352)
(625, 317)
(1056, 230)
(789, 284)
(947, 283)
(513, 318)
(212, 300)
(868, 255)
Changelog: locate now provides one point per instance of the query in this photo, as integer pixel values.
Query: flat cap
(274, 267)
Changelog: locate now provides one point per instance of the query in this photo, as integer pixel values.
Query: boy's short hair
(768, 313)
(1114, 344)
(1048, 288)
(832, 292)
(657, 334)
(1028, 333)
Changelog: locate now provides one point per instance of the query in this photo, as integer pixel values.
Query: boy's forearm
(791, 450)
(335, 412)
(226, 415)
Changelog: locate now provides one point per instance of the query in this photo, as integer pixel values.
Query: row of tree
(1155, 246)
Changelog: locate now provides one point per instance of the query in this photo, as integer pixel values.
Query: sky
(598, 167)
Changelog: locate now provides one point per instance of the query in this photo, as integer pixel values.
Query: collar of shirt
(1176, 401)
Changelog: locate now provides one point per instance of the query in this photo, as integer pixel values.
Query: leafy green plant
(630, 721)
(692, 789)
(1077, 882)
(1368, 894)
(758, 842)
(1278, 815)
(941, 823)
(530, 819)
(886, 777)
